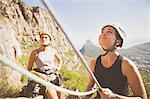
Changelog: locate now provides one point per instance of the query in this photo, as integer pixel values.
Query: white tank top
(45, 59)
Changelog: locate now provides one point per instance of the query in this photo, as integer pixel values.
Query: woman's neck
(109, 59)
(43, 48)
(110, 54)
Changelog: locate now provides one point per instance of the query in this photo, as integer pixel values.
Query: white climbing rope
(51, 12)
(13, 65)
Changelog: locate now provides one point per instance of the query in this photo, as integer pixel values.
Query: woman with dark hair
(113, 71)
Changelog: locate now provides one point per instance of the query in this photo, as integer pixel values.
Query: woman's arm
(43, 76)
(57, 56)
(91, 80)
(31, 60)
(130, 70)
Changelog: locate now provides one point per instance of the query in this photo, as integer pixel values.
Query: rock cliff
(20, 26)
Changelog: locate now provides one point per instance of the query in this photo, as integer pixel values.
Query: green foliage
(24, 79)
(69, 53)
(9, 90)
(146, 79)
(74, 80)
(23, 62)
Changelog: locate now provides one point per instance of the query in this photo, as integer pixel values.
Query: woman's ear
(118, 43)
(99, 39)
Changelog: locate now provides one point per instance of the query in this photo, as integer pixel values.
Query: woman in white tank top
(44, 58)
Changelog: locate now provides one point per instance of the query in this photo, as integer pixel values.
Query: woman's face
(45, 40)
(107, 37)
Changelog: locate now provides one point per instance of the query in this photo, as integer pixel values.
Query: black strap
(109, 50)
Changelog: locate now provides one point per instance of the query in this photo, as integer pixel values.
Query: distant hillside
(89, 49)
(140, 54)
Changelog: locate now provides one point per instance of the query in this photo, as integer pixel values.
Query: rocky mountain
(90, 49)
(140, 54)
(20, 26)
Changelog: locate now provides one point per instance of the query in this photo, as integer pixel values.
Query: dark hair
(119, 38)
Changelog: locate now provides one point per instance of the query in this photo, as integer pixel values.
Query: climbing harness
(25, 72)
(13, 65)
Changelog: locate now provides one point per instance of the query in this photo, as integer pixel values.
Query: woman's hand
(43, 76)
(106, 93)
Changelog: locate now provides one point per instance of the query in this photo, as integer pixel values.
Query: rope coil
(13, 65)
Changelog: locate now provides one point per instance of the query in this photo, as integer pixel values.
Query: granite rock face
(20, 26)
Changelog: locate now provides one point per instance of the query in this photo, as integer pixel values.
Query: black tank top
(112, 77)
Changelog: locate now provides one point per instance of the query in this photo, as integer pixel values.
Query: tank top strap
(120, 58)
(118, 61)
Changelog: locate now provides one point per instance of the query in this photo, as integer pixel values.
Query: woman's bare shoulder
(35, 51)
(127, 62)
(92, 64)
(128, 65)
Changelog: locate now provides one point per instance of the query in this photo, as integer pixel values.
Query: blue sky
(83, 18)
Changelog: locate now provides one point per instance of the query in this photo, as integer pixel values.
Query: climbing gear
(120, 31)
(34, 89)
(25, 72)
(53, 75)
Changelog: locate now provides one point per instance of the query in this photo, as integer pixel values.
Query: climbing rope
(25, 72)
(57, 20)
(13, 65)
